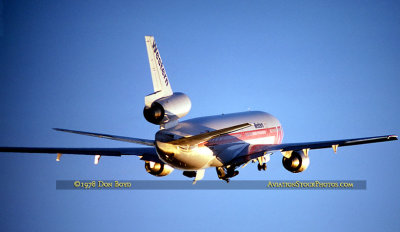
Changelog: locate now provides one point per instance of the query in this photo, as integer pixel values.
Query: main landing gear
(262, 167)
(262, 162)
(224, 173)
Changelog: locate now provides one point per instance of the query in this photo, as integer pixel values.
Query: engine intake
(167, 109)
(157, 169)
(297, 162)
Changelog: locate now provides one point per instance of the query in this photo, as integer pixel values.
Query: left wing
(146, 153)
(254, 151)
(146, 142)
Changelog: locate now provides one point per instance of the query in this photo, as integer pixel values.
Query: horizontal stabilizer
(146, 142)
(196, 139)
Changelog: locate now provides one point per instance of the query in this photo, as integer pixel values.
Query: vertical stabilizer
(162, 87)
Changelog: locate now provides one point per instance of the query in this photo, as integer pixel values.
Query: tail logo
(160, 63)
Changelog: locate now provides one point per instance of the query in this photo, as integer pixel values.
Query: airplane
(224, 142)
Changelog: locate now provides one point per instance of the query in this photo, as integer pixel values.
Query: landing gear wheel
(264, 166)
(233, 173)
(221, 173)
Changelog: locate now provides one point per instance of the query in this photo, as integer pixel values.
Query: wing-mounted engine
(167, 109)
(297, 162)
(157, 169)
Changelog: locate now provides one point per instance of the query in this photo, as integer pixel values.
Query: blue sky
(326, 69)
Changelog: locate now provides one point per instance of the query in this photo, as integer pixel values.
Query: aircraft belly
(195, 159)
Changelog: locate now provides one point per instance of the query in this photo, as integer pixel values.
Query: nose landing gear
(198, 175)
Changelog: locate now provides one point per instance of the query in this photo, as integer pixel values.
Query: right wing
(257, 150)
(324, 144)
(145, 153)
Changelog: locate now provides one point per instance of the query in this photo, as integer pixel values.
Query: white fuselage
(265, 129)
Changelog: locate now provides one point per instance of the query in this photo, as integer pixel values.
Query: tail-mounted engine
(297, 162)
(167, 109)
(157, 169)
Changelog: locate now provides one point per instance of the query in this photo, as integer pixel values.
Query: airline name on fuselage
(160, 63)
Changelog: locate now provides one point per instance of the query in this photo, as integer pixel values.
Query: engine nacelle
(157, 169)
(168, 109)
(297, 162)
